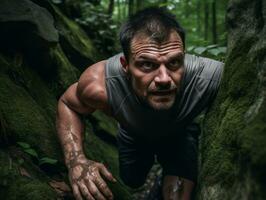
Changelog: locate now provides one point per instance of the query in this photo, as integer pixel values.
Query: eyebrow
(153, 58)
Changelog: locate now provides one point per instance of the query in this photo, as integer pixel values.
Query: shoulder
(91, 88)
(202, 67)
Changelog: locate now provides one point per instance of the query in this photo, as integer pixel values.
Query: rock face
(41, 54)
(233, 142)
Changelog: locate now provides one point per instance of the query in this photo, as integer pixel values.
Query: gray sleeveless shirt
(198, 88)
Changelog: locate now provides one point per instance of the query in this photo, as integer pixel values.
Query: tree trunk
(187, 11)
(198, 8)
(111, 8)
(139, 5)
(206, 20)
(130, 7)
(214, 26)
(232, 148)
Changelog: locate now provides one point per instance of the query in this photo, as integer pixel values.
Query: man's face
(156, 69)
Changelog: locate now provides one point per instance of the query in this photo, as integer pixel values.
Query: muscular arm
(70, 127)
(83, 98)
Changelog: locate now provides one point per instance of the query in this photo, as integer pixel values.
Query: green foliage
(214, 51)
(47, 160)
(100, 26)
(33, 153)
(103, 26)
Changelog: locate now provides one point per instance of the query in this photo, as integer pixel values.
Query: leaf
(60, 185)
(23, 145)
(200, 50)
(57, 1)
(46, 160)
(20, 161)
(23, 172)
(214, 51)
(31, 152)
(112, 26)
(222, 49)
(190, 48)
(211, 46)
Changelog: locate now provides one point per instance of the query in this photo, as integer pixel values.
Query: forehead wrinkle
(153, 50)
(145, 44)
(155, 44)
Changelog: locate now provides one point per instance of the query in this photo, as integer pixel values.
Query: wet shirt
(199, 87)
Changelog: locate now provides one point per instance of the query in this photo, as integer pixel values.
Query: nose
(162, 78)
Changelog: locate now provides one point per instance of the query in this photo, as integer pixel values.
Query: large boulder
(36, 67)
(233, 150)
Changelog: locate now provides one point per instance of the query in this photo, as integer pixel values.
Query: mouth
(163, 92)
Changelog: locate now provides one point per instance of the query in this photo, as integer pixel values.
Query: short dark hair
(154, 22)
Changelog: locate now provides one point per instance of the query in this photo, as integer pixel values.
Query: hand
(177, 188)
(86, 181)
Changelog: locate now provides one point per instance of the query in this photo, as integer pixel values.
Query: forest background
(203, 20)
(46, 44)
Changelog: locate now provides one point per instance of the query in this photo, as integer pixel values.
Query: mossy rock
(76, 44)
(18, 12)
(232, 148)
(107, 154)
(15, 186)
(27, 109)
(106, 123)
(65, 74)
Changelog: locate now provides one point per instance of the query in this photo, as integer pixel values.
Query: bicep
(71, 99)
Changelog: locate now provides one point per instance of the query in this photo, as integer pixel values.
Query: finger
(76, 192)
(84, 190)
(104, 171)
(94, 191)
(102, 187)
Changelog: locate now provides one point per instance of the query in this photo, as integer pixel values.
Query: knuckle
(94, 191)
(101, 165)
(103, 186)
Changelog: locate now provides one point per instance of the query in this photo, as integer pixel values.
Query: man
(154, 91)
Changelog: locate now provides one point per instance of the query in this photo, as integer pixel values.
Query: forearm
(70, 130)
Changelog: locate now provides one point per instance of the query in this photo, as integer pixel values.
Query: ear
(124, 63)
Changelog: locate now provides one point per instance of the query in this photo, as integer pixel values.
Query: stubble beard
(157, 104)
(153, 101)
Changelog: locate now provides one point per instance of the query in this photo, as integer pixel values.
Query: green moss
(25, 119)
(27, 189)
(67, 74)
(254, 138)
(225, 123)
(232, 145)
(106, 123)
(74, 40)
(15, 186)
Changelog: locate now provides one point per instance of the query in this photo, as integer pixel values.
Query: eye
(175, 64)
(148, 65)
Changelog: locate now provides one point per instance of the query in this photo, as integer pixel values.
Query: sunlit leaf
(190, 48)
(214, 51)
(211, 46)
(200, 50)
(113, 26)
(101, 32)
(222, 49)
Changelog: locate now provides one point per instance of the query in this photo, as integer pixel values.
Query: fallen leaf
(23, 172)
(60, 186)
